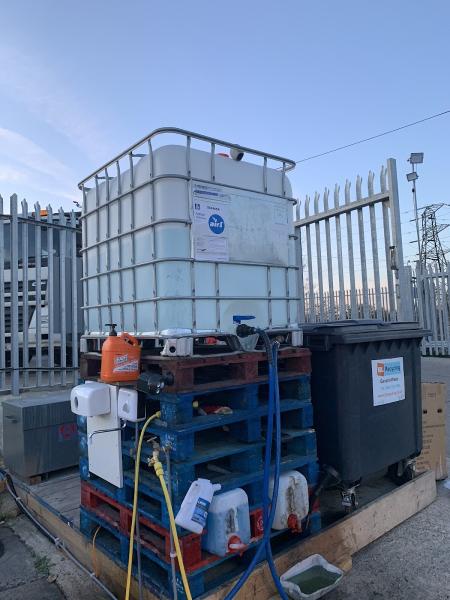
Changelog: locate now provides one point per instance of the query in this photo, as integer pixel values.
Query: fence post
(75, 299)
(2, 300)
(403, 295)
(14, 294)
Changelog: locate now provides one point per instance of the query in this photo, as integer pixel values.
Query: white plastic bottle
(293, 500)
(228, 525)
(194, 508)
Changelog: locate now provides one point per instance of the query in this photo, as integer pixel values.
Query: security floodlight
(416, 158)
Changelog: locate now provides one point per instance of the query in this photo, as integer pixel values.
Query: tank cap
(235, 545)
(112, 327)
(293, 523)
(239, 318)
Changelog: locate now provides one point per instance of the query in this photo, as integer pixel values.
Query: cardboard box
(434, 399)
(433, 456)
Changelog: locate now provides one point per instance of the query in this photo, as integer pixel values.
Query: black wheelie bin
(366, 394)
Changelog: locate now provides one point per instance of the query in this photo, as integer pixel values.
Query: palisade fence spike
(326, 194)
(307, 201)
(383, 171)
(358, 187)
(370, 179)
(316, 203)
(348, 185)
(337, 190)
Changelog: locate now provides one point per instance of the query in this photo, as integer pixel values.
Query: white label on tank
(231, 224)
(388, 380)
(210, 223)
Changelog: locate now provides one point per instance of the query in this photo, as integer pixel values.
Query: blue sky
(81, 80)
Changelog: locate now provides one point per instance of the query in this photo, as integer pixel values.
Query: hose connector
(243, 330)
(158, 468)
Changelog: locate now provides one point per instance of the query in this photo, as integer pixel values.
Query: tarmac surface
(412, 562)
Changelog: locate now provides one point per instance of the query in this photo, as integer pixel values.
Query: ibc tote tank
(186, 238)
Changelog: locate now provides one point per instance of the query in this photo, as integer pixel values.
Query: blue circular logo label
(216, 223)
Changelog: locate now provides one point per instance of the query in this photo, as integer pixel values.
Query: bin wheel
(353, 505)
(349, 499)
(409, 472)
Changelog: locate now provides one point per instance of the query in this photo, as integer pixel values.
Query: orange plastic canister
(121, 355)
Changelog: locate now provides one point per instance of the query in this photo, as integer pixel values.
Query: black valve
(243, 330)
(153, 383)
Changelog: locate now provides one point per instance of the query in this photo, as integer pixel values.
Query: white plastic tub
(306, 570)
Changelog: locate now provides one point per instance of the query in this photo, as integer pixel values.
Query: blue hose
(268, 514)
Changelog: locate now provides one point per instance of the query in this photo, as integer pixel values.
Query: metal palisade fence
(431, 293)
(349, 252)
(39, 297)
(331, 304)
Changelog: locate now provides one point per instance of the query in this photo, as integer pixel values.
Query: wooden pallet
(203, 373)
(337, 543)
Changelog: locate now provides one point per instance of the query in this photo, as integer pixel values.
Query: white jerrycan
(293, 500)
(194, 508)
(228, 524)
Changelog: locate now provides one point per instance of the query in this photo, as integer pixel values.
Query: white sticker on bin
(388, 380)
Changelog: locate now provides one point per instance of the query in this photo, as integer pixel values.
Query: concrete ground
(32, 568)
(412, 562)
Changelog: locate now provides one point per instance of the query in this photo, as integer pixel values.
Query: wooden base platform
(337, 543)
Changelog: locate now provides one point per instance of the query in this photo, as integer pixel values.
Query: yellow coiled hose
(160, 474)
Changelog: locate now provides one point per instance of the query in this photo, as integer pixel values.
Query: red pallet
(203, 373)
(152, 536)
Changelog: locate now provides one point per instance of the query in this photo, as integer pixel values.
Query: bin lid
(355, 331)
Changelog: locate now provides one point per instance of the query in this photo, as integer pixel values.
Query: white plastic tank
(187, 239)
(228, 524)
(293, 500)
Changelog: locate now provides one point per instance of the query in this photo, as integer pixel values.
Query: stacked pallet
(225, 447)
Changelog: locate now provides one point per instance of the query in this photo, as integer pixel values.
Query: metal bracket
(91, 435)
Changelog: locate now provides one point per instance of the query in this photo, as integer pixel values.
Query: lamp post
(416, 158)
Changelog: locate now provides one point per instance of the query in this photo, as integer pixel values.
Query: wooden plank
(337, 543)
(111, 574)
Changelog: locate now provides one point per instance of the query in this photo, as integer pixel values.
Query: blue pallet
(246, 470)
(157, 573)
(151, 501)
(243, 425)
(82, 423)
(177, 408)
(250, 481)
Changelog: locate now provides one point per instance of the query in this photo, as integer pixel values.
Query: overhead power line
(374, 137)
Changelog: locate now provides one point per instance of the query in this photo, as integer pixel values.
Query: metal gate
(432, 301)
(39, 290)
(350, 255)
